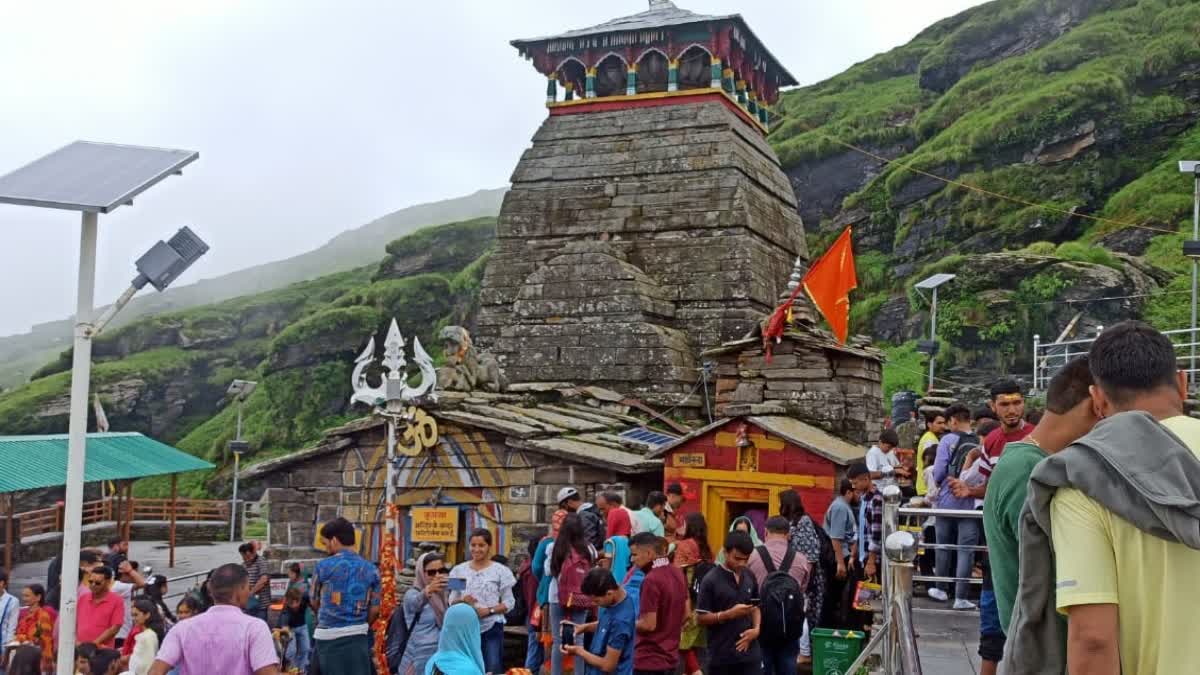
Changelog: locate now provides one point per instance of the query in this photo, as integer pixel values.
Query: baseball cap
(567, 493)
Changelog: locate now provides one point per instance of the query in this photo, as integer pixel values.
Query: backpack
(782, 602)
(398, 632)
(594, 527)
(697, 572)
(519, 614)
(828, 561)
(966, 443)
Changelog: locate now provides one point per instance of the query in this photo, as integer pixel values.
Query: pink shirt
(778, 548)
(94, 617)
(222, 640)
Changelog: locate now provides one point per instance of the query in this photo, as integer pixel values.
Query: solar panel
(646, 436)
(935, 281)
(87, 176)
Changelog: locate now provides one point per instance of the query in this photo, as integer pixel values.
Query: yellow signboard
(436, 524)
(692, 459)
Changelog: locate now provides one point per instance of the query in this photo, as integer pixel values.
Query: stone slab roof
(556, 419)
(792, 430)
(660, 15)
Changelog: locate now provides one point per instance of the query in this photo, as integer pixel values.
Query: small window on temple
(652, 72)
(695, 71)
(611, 76)
(572, 71)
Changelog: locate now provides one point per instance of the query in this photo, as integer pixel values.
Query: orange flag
(829, 282)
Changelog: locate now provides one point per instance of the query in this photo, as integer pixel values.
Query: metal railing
(896, 637)
(50, 520)
(1050, 357)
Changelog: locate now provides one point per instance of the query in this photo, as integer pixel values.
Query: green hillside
(1069, 109)
(166, 374)
(21, 355)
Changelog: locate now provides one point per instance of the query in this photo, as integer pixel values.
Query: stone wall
(654, 233)
(835, 388)
(338, 483)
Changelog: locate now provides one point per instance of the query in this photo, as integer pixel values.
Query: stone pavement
(948, 641)
(188, 560)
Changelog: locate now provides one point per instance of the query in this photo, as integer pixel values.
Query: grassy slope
(1114, 68)
(21, 355)
(323, 322)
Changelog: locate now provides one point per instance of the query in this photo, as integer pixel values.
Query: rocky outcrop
(1005, 33)
(442, 250)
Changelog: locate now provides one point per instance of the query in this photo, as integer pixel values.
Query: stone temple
(649, 220)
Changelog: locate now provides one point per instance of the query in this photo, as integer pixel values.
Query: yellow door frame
(716, 508)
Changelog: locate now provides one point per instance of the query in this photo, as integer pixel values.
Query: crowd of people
(1089, 515)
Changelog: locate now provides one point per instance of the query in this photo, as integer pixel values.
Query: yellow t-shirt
(927, 439)
(1103, 559)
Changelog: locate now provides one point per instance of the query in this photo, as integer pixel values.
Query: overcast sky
(311, 117)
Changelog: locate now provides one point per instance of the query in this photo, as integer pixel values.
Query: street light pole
(1195, 277)
(81, 366)
(932, 334)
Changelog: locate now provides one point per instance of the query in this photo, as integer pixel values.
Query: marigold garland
(387, 585)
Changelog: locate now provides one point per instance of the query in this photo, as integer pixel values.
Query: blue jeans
(492, 643)
(535, 655)
(556, 656)
(961, 531)
(299, 648)
(779, 660)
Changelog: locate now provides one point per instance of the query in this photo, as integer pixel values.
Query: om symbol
(419, 433)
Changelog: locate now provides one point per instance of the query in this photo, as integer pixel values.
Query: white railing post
(1036, 340)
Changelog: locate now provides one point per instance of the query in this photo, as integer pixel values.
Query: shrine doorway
(723, 502)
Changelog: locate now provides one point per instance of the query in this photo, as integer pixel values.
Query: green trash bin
(834, 651)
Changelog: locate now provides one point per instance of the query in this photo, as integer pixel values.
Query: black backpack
(782, 601)
(398, 633)
(698, 572)
(966, 443)
(828, 561)
(594, 527)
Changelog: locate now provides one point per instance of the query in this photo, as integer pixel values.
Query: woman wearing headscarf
(458, 647)
(616, 551)
(745, 525)
(804, 538)
(424, 608)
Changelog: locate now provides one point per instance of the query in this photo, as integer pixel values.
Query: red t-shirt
(664, 593)
(619, 524)
(95, 617)
(993, 444)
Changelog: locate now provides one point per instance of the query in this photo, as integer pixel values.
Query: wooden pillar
(8, 535)
(117, 511)
(174, 505)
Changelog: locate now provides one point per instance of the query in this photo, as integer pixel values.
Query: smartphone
(568, 634)
(754, 602)
(456, 584)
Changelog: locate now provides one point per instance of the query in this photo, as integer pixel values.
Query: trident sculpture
(393, 392)
(395, 400)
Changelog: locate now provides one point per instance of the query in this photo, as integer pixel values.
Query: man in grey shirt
(843, 534)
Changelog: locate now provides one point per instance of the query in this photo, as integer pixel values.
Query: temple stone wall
(836, 388)
(660, 231)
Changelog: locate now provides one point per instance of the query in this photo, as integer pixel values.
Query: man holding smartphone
(727, 605)
(612, 645)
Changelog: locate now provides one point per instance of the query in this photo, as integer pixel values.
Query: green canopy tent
(32, 462)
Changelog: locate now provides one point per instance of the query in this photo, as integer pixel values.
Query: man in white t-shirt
(127, 579)
(882, 461)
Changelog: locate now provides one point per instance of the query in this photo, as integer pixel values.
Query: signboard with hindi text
(434, 523)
